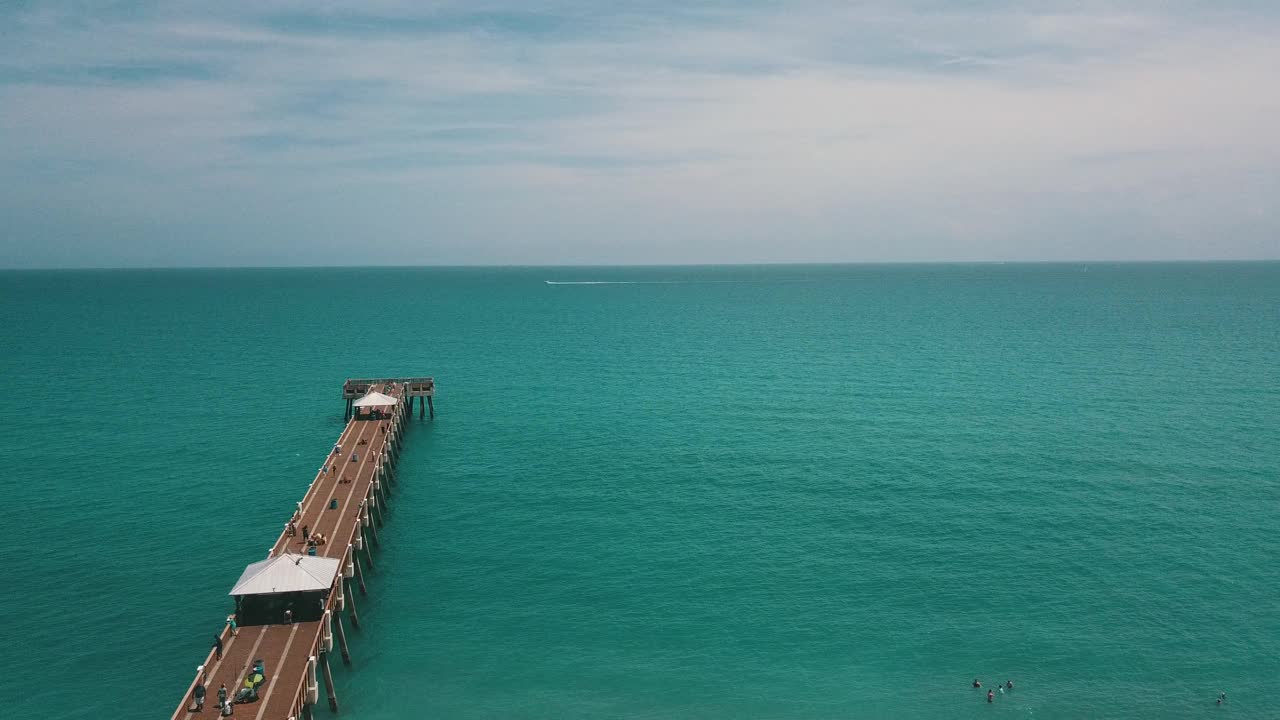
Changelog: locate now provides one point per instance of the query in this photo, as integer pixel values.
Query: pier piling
(342, 639)
(373, 533)
(351, 605)
(360, 575)
(328, 682)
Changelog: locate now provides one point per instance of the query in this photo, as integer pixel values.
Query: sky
(292, 132)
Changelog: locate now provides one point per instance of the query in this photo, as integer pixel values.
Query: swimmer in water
(991, 696)
(976, 683)
(1009, 684)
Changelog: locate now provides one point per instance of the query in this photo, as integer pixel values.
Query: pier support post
(360, 575)
(312, 692)
(410, 404)
(422, 410)
(431, 406)
(373, 533)
(377, 507)
(351, 604)
(342, 639)
(328, 682)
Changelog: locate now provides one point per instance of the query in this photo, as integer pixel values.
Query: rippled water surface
(744, 492)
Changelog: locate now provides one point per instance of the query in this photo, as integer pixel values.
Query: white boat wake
(640, 282)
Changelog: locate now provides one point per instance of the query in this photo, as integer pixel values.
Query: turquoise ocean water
(734, 492)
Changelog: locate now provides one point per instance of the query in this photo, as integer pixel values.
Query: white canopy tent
(287, 573)
(375, 399)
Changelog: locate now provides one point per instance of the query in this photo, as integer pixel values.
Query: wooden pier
(294, 629)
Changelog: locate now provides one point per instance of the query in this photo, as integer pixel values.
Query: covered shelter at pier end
(371, 406)
(293, 582)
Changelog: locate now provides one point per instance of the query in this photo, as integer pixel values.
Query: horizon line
(1171, 261)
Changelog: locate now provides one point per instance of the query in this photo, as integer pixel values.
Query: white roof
(287, 573)
(375, 399)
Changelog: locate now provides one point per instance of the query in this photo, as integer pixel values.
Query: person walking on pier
(198, 696)
(217, 645)
(222, 694)
(231, 623)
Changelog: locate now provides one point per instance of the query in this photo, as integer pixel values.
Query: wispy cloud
(289, 132)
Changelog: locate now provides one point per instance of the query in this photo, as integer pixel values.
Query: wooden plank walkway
(286, 648)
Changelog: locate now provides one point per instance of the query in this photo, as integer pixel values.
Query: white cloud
(828, 133)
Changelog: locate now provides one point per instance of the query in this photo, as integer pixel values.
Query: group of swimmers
(991, 694)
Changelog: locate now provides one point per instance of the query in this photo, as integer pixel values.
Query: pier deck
(286, 649)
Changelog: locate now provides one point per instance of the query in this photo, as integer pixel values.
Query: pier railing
(355, 388)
